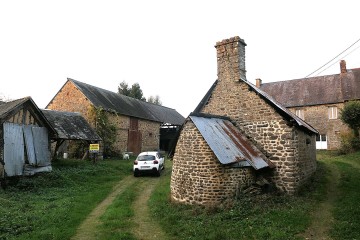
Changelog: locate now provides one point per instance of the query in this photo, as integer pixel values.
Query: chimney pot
(258, 82)
(343, 66)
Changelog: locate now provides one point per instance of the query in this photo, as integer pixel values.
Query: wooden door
(134, 137)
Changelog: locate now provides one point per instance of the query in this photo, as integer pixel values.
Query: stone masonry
(318, 117)
(71, 99)
(198, 177)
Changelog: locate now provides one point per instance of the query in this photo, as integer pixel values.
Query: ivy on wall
(104, 128)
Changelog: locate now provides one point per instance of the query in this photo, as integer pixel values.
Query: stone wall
(304, 158)
(290, 149)
(318, 117)
(197, 175)
(150, 134)
(268, 129)
(70, 99)
(122, 130)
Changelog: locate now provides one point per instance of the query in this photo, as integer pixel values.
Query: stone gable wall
(268, 129)
(197, 175)
(70, 99)
(276, 137)
(318, 117)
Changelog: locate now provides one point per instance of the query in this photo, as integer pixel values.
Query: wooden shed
(25, 136)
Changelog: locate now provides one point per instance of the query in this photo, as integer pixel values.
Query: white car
(149, 162)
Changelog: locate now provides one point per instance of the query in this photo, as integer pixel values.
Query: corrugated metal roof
(69, 125)
(128, 106)
(228, 144)
(326, 89)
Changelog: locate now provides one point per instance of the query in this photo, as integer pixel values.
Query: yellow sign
(94, 147)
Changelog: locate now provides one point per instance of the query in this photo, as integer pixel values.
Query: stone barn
(237, 136)
(137, 123)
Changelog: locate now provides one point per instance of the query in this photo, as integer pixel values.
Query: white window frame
(333, 112)
(321, 141)
(300, 113)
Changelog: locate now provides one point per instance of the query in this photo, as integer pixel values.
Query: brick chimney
(231, 59)
(258, 82)
(343, 66)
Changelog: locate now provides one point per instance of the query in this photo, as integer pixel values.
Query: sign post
(94, 148)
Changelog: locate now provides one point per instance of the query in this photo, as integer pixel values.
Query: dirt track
(144, 229)
(322, 217)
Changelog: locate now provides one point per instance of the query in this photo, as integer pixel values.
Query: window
(333, 113)
(299, 113)
(321, 138)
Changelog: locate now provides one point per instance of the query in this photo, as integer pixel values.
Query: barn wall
(197, 175)
(150, 132)
(69, 98)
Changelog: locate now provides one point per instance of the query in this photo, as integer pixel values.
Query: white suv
(150, 162)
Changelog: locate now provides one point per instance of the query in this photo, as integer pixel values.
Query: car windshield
(146, 157)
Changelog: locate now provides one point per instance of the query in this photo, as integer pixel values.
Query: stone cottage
(137, 122)
(238, 135)
(318, 100)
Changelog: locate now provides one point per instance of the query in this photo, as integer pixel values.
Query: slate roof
(71, 126)
(228, 144)
(327, 89)
(124, 105)
(277, 106)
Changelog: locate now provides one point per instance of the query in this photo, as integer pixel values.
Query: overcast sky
(167, 46)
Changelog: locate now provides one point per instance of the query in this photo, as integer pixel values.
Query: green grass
(347, 207)
(52, 205)
(265, 217)
(116, 221)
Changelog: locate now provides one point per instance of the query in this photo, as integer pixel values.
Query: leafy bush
(349, 143)
(350, 115)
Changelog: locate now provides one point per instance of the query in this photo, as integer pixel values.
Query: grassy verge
(347, 207)
(52, 205)
(265, 217)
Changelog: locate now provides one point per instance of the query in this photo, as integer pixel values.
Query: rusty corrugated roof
(327, 89)
(228, 144)
(71, 126)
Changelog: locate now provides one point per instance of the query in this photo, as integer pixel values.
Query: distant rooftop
(114, 102)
